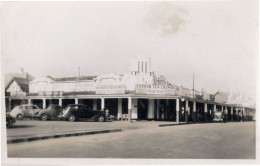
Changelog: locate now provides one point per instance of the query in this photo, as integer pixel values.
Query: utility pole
(193, 85)
(79, 74)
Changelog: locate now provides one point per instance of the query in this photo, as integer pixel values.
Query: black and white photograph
(129, 82)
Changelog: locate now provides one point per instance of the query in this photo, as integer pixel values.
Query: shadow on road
(20, 126)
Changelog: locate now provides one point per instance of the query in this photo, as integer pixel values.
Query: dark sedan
(75, 112)
(52, 111)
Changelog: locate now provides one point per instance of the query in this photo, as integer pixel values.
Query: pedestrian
(107, 112)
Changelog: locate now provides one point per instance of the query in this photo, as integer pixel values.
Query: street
(234, 140)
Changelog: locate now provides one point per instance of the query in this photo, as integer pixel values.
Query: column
(214, 110)
(76, 101)
(119, 113)
(231, 112)
(194, 112)
(222, 109)
(166, 116)
(10, 105)
(129, 109)
(151, 109)
(60, 102)
(43, 103)
(102, 104)
(186, 111)
(177, 110)
(205, 112)
(94, 104)
(158, 107)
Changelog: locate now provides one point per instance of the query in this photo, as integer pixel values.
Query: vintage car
(24, 111)
(218, 117)
(52, 111)
(82, 112)
(9, 121)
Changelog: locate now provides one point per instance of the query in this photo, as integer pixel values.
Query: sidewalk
(31, 130)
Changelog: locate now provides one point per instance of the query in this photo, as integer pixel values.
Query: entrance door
(142, 109)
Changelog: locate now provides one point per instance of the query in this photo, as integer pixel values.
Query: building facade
(136, 95)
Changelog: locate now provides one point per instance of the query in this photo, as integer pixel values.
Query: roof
(74, 78)
(22, 82)
(10, 76)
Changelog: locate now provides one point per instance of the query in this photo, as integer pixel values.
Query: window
(27, 107)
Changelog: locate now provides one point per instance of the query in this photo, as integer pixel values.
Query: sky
(216, 40)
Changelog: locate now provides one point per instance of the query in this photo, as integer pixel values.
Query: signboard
(50, 93)
(110, 89)
(155, 89)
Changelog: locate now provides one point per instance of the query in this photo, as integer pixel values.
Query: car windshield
(68, 107)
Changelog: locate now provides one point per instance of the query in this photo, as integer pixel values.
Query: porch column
(43, 103)
(95, 104)
(29, 101)
(177, 110)
(102, 104)
(231, 112)
(157, 111)
(226, 113)
(10, 105)
(60, 102)
(130, 109)
(119, 113)
(151, 109)
(194, 112)
(205, 112)
(186, 111)
(76, 101)
(214, 110)
(222, 109)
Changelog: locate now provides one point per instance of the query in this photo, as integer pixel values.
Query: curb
(176, 124)
(44, 137)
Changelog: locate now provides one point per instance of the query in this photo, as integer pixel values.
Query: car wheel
(71, 118)
(9, 124)
(101, 118)
(19, 117)
(44, 117)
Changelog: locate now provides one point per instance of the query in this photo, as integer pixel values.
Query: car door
(88, 112)
(82, 113)
(57, 110)
(26, 111)
(33, 110)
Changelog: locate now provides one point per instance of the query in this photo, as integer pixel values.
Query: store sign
(18, 94)
(50, 93)
(155, 89)
(110, 89)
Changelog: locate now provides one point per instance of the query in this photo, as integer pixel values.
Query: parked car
(52, 111)
(9, 121)
(24, 111)
(218, 117)
(79, 111)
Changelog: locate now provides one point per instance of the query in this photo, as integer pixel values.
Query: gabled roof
(22, 82)
(74, 78)
(10, 76)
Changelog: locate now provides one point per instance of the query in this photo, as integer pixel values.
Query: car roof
(27, 105)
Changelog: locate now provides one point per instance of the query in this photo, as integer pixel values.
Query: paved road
(198, 141)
